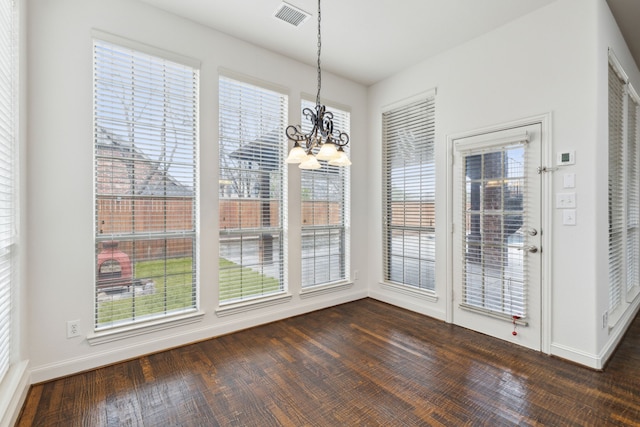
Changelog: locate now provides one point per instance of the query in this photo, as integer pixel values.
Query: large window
(252, 191)
(325, 216)
(145, 142)
(624, 206)
(409, 195)
(8, 159)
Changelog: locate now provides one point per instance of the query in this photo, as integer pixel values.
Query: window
(145, 142)
(252, 191)
(409, 195)
(325, 216)
(8, 159)
(624, 203)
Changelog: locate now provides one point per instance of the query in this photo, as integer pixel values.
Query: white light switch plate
(569, 180)
(569, 217)
(565, 200)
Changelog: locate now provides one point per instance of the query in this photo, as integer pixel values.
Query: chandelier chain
(319, 50)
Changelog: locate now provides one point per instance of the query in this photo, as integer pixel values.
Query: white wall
(60, 221)
(549, 61)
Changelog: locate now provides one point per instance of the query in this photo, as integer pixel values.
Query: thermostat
(566, 158)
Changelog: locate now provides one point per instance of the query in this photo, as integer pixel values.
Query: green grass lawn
(176, 292)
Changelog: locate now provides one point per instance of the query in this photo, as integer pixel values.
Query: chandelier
(328, 143)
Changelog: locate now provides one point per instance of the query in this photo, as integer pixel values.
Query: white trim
(474, 144)
(424, 294)
(577, 356)
(546, 212)
(145, 48)
(206, 330)
(13, 392)
(338, 106)
(251, 80)
(318, 290)
(617, 67)
(430, 93)
(251, 305)
(137, 329)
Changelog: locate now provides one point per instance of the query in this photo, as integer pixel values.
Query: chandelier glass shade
(322, 142)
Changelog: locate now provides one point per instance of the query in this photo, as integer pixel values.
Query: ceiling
(627, 15)
(364, 40)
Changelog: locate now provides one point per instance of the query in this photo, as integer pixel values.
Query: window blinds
(632, 195)
(145, 142)
(495, 266)
(616, 188)
(8, 113)
(325, 215)
(409, 194)
(251, 140)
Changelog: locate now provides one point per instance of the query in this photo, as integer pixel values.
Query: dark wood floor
(360, 364)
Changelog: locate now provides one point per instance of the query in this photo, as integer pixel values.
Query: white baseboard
(222, 326)
(13, 392)
(401, 300)
(577, 356)
(617, 332)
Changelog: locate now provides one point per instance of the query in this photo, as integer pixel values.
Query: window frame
(254, 87)
(187, 157)
(427, 130)
(623, 183)
(342, 121)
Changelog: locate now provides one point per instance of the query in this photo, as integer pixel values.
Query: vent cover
(291, 14)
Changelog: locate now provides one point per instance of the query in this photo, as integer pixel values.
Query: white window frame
(169, 317)
(425, 128)
(341, 176)
(9, 189)
(230, 81)
(624, 200)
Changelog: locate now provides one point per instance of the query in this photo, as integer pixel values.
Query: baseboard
(576, 356)
(399, 299)
(13, 392)
(222, 326)
(616, 334)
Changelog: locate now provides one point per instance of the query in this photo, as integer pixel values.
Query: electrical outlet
(73, 328)
(605, 319)
(355, 275)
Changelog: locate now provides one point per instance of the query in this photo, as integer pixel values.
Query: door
(496, 234)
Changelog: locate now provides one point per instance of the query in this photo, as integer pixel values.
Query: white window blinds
(632, 195)
(8, 118)
(624, 187)
(495, 267)
(409, 194)
(252, 190)
(616, 188)
(325, 215)
(145, 142)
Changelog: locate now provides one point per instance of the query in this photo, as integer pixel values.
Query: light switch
(565, 200)
(569, 180)
(569, 217)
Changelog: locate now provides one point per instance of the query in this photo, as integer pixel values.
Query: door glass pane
(494, 268)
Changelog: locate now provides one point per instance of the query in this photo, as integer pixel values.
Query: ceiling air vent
(291, 14)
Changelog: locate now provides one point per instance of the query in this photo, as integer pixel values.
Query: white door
(496, 234)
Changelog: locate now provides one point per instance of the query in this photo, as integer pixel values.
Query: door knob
(531, 248)
(532, 232)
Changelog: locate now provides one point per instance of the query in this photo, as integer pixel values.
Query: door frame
(546, 210)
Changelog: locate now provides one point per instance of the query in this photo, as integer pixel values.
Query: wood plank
(362, 363)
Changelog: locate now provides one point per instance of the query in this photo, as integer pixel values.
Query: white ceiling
(627, 15)
(362, 40)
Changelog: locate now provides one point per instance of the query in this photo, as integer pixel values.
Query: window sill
(124, 332)
(430, 296)
(245, 306)
(313, 291)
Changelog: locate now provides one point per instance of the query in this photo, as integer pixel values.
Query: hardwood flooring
(364, 363)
